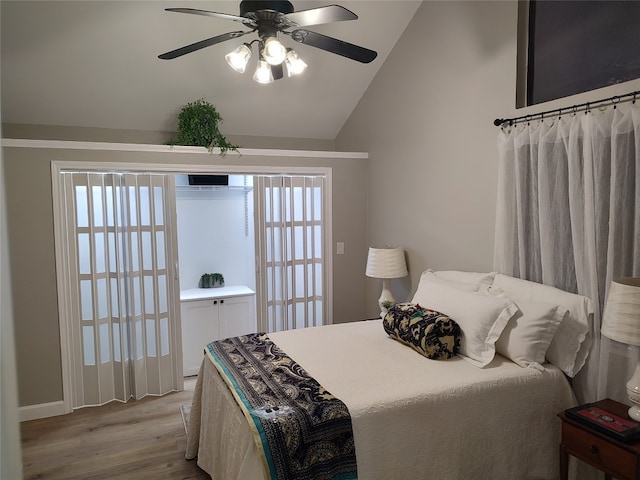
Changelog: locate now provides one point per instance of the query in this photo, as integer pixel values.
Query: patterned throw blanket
(303, 432)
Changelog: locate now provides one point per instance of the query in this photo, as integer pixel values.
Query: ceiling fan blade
(317, 16)
(201, 44)
(206, 13)
(277, 71)
(333, 45)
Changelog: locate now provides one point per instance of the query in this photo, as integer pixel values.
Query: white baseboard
(41, 410)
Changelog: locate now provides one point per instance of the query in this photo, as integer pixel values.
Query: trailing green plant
(208, 280)
(205, 281)
(198, 127)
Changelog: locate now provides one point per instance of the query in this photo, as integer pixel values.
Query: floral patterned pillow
(430, 333)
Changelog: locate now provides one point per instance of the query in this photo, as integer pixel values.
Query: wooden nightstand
(609, 455)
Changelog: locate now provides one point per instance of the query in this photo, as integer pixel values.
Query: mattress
(412, 417)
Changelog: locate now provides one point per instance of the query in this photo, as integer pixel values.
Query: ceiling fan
(269, 18)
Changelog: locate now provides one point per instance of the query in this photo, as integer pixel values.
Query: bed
(488, 412)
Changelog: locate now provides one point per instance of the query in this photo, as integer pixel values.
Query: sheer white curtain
(568, 215)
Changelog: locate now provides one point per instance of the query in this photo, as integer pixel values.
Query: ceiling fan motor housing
(248, 6)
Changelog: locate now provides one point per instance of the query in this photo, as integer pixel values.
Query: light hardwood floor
(138, 440)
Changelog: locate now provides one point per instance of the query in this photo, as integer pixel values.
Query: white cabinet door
(199, 327)
(204, 321)
(237, 316)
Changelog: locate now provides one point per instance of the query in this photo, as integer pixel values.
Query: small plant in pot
(211, 280)
(198, 127)
(205, 281)
(217, 280)
(386, 305)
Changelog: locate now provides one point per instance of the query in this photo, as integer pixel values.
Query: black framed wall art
(570, 47)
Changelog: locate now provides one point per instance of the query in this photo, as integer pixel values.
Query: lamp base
(634, 413)
(633, 391)
(385, 297)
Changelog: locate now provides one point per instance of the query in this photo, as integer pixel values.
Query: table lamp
(386, 263)
(621, 322)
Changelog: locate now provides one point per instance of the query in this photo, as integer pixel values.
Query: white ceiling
(94, 64)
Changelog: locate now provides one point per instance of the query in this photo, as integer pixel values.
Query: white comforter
(413, 418)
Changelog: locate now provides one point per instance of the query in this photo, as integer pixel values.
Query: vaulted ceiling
(95, 64)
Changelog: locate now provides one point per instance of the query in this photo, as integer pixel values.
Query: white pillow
(434, 277)
(526, 338)
(481, 318)
(570, 345)
(481, 281)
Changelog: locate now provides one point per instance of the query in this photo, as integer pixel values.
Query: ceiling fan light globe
(295, 65)
(263, 73)
(274, 52)
(239, 58)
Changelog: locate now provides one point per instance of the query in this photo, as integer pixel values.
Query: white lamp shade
(386, 263)
(621, 319)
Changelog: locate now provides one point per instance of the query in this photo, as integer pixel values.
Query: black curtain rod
(499, 122)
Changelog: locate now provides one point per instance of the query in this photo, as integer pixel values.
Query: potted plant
(211, 280)
(205, 281)
(198, 126)
(386, 305)
(217, 280)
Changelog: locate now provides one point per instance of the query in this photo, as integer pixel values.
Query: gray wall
(427, 122)
(30, 222)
